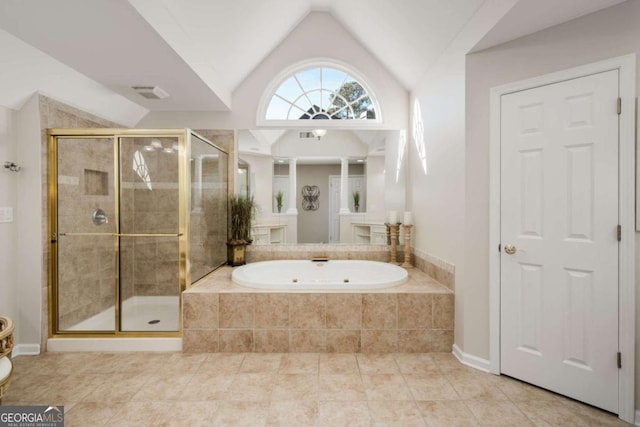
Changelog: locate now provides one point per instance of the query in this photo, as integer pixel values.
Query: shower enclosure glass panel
(149, 233)
(135, 217)
(86, 234)
(208, 230)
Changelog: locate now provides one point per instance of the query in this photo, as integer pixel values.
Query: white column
(293, 191)
(344, 186)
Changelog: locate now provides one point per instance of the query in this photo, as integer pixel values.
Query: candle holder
(407, 246)
(393, 230)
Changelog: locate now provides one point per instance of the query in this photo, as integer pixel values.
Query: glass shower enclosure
(135, 217)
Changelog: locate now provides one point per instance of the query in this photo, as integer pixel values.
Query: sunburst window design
(141, 168)
(321, 93)
(418, 135)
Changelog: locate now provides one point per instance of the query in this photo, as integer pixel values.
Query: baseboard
(471, 360)
(25, 350)
(114, 344)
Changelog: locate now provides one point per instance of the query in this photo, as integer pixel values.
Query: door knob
(510, 249)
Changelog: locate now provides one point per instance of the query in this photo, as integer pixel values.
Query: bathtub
(319, 275)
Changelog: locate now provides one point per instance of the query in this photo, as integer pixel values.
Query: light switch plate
(6, 214)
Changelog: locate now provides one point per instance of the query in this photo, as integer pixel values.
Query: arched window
(320, 92)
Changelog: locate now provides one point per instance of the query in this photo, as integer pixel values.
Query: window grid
(348, 100)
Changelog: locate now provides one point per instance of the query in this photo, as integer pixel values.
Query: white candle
(393, 217)
(407, 218)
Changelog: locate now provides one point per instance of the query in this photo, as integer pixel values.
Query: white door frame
(627, 69)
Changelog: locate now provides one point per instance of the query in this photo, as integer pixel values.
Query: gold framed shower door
(184, 199)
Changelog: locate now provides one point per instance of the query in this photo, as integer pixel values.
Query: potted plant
(356, 200)
(240, 214)
(279, 198)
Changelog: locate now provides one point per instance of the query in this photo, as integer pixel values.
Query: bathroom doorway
(122, 205)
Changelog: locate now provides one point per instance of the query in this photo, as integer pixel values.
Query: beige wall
(602, 35)
(313, 226)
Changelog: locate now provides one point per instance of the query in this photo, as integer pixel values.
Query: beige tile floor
(254, 389)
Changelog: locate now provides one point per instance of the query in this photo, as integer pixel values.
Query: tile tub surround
(442, 271)
(257, 253)
(220, 316)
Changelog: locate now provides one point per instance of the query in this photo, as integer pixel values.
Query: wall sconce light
(319, 133)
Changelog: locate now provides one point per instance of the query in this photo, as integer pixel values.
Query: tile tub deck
(220, 316)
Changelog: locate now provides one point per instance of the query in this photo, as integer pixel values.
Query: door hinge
(499, 247)
(619, 103)
(619, 360)
(619, 233)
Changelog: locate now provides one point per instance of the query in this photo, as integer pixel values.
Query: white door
(559, 212)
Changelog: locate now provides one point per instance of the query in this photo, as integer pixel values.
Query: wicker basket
(4, 382)
(6, 345)
(6, 336)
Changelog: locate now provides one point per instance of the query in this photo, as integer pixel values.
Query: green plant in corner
(279, 199)
(240, 213)
(356, 200)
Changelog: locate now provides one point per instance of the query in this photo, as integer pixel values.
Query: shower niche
(135, 217)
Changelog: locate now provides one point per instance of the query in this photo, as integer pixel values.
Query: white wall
(375, 172)
(261, 178)
(261, 170)
(609, 33)
(437, 196)
(8, 198)
(30, 266)
(319, 35)
(335, 144)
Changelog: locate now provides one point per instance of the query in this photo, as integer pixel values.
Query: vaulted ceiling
(200, 51)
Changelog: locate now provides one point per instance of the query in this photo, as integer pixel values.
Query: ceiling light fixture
(319, 133)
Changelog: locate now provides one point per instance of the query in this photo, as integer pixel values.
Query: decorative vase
(357, 207)
(236, 253)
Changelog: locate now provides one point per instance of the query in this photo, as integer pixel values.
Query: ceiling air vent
(306, 135)
(151, 92)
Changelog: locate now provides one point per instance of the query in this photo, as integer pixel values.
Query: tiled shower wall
(149, 265)
(54, 114)
(86, 264)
